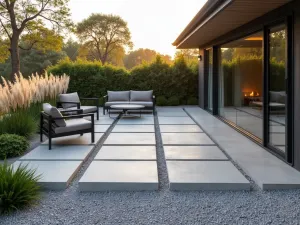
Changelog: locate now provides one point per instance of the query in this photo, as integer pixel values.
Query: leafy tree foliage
(71, 48)
(25, 20)
(102, 35)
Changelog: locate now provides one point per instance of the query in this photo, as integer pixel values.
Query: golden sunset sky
(154, 24)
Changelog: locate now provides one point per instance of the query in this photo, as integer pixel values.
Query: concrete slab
(101, 128)
(186, 139)
(205, 175)
(205, 153)
(120, 176)
(126, 153)
(133, 129)
(75, 140)
(172, 113)
(180, 129)
(175, 120)
(267, 171)
(105, 120)
(136, 120)
(59, 153)
(55, 175)
(130, 139)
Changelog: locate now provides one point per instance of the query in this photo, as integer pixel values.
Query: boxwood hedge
(91, 79)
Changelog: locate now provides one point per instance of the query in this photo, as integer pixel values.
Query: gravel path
(161, 207)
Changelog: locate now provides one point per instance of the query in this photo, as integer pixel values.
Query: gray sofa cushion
(144, 96)
(74, 125)
(70, 97)
(277, 96)
(114, 96)
(115, 103)
(55, 113)
(146, 104)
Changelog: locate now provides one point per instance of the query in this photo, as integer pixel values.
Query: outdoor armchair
(54, 124)
(72, 101)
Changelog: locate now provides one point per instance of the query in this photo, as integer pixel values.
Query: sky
(154, 24)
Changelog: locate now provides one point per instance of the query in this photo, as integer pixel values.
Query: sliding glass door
(277, 88)
(210, 80)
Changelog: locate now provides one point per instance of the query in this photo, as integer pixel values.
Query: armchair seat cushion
(74, 125)
(70, 97)
(86, 109)
(116, 103)
(146, 104)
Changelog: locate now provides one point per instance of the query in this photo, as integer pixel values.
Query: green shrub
(21, 123)
(12, 145)
(192, 101)
(91, 79)
(18, 187)
(173, 101)
(161, 101)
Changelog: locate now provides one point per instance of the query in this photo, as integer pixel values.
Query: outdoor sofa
(145, 98)
(71, 101)
(54, 124)
(277, 101)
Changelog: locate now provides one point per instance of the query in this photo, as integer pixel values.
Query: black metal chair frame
(108, 108)
(46, 128)
(59, 104)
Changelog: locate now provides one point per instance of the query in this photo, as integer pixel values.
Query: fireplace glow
(251, 94)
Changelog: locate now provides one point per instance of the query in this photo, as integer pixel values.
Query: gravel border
(159, 207)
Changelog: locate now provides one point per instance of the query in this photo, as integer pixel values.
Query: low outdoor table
(126, 107)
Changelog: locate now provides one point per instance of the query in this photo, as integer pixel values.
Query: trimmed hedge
(12, 145)
(91, 79)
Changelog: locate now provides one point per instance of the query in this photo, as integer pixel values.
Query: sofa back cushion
(114, 96)
(145, 96)
(277, 96)
(55, 113)
(70, 97)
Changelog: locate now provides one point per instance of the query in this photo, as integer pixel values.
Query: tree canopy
(102, 34)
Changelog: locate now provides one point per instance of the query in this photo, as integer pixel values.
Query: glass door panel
(210, 80)
(277, 88)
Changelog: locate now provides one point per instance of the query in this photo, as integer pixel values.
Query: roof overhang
(218, 17)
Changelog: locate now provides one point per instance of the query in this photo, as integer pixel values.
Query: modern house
(249, 69)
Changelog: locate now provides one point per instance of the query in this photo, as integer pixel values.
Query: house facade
(249, 69)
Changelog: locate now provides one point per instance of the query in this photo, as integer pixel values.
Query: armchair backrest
(55, 113)
(70, 97)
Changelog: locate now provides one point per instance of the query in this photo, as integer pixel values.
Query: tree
(137, 57)
(190, 56)
(103, 34)
(27, 18)
(71, 48)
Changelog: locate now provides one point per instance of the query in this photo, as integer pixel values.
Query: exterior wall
(201, 80)
(297, 85)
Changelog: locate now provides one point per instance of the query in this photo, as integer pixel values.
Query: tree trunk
(15, 56)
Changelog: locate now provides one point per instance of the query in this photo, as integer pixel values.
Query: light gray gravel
(161, 207)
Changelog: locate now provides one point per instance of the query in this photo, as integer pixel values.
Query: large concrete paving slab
(204, 153)
(101, 128)
(55, 175)
(136, 120)
(205, 175)
(186, 139)
(175, 120)
(105, 120)
(120, 176)
(130, 139)
(180, 129)
(145, 153)
(267, 171)
(134, 129)
(59, 153)
(172, 113)
(75, 140)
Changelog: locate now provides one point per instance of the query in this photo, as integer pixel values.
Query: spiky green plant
(18, 187)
